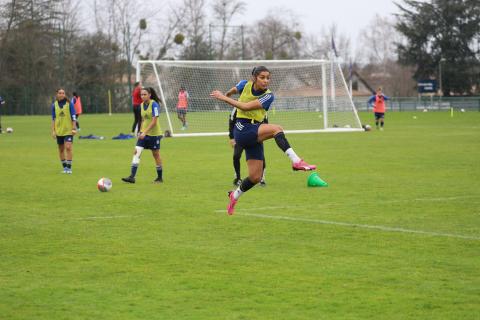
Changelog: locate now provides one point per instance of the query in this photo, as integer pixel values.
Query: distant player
(136, 102)
(378, 103)
(2, 102)
(237, 149)
(182, 106)
(150, 134)
(64, 127)
(77, 104)
(249, 131)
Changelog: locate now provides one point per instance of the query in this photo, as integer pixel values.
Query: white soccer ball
(462, 110)
(104, 184)
(415, 117)
(347, 126)
(9, 130)
(425, 110)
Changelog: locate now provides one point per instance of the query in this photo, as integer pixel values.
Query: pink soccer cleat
(231, 204)
(303, 166)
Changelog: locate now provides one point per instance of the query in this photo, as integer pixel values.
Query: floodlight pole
(440, 75)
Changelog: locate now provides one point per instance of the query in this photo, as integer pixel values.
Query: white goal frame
(356, 126)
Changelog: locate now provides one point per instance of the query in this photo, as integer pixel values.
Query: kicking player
(378, 103)
(64, 127)
(249, 131)
(150, 134)
(237, 149)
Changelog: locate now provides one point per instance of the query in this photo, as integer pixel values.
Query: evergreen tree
(442, 31)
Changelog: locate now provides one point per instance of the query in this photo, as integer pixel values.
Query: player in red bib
(182, 106)
(378, 103)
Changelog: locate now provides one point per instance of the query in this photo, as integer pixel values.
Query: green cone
(315, 181)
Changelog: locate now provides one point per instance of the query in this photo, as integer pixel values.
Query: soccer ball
(462, 110)
(425, 110)
(415, 117)
(367, 127)
(9, 130)
(104, 184)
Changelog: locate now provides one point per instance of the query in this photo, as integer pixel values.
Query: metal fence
(97, 101)
(422, 103)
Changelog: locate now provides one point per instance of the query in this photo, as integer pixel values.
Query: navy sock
(69, 164)
(160, 172)
(281, 141)
(64, 163)
(134, 170)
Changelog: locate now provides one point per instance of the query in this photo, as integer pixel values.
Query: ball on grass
(9, 130)
(104, 184)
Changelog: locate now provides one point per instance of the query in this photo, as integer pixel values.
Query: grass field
(396, 235)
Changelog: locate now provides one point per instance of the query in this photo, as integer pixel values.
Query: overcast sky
(348, 15)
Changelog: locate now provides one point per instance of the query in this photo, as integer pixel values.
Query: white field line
(357, 225)
(326, 204)
(106, 217)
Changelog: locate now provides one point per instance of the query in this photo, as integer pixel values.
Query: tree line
(46, 44)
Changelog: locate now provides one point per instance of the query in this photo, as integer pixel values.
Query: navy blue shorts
(379, 115)
(150, 142)
(62, 139)
(181, 111)
(246, 135)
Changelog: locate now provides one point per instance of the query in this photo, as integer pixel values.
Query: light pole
(440, 75)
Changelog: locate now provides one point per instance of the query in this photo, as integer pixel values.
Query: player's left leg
(268, 131)
(69, 153)
(158, 164)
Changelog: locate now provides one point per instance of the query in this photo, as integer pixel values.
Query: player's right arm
(54, 135)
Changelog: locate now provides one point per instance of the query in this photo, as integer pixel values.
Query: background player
(378, 103)
(64, 127)
(182, 106)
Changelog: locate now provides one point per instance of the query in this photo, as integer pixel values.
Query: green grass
(169, 251)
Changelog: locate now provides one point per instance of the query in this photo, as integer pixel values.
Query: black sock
(376, 123)
(237, 154)
(381, 124)
(64, 163)
(69, 164)
(160, 172)
(246, 185)
(281, 141)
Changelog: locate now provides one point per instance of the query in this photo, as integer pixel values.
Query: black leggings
(137, 113)
(237, 154)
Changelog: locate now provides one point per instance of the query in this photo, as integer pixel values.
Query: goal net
(310, 95)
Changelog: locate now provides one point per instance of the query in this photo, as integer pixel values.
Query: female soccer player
(150, 134)
(237, 149)
(64, 127)
(77, 104)
(182, 106)
(378, 102)
(249, 132)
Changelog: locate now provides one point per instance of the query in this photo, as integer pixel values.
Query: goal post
(310, 95)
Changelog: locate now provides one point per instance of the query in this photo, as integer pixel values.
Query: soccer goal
(310, 95)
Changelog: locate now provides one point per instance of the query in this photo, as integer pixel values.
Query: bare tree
(277, 36)
(194, 25)
(224, 11)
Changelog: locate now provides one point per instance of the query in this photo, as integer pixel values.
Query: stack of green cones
(315, 181)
